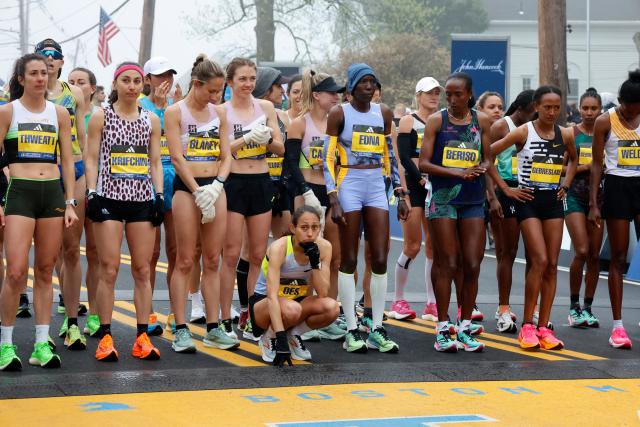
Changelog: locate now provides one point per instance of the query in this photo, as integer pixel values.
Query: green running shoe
(379, 340)
(63, 329)
(592, 319)
(577, 318)
(247, 334)
(313, 336)
(182, 342)
(9, 361)
(444, 343)
(92, 326)
(354, 343)
(74, 340)
(332, 332)
(366, 324)
(218, 338)
(467, 342)
(51, 343)
(43, 356)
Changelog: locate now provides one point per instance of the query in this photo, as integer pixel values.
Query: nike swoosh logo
(556, 145)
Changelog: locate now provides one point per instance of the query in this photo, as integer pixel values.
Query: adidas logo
(635, 144)
(370, 130)
(131, 149)
(461, 145)
(38, 128)
(549, 161)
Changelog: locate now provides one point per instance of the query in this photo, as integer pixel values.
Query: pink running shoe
(401, 310)
(476, 315)
(528, 338)
(548, 340)
(430, 312)
(619, 339)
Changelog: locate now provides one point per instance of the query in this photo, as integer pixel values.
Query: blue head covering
(356, 72)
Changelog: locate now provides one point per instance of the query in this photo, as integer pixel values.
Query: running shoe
(536, 316)
(267, 348)
(401, 310)
(511, 313)
(92, 326)
(444, 342)
(51, 343)
(313, 335)
(171, 324)
(43, 356)
(247, 334)
(354, 343)
(197, 315)
(548, 340)
(82, 310)
(619, 339)
(227, 327)
(341, 321)
(9, 360)
(332, 332)
(466, 341)
(220, 338)
(366, 324)
(592, 319)
(74, 340)
(360, 306)
(506, 323)
(61, 309)
(235, 315)
(528, 338)
(154, 328)
(298, 349)
(182, 341)
(242, 321)
(430, 312)
(378, 340)
(64, 327)
(474, 328)
(476, 314)
(106, 352)
(577, 319)
(23, 308)
(143, 349)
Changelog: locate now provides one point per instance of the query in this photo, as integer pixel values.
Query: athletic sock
(431, 295)
(72, 321)
(211, 326)
(347, 295)
(141, 328)
(300, 329)
(181, 326)
(588, 302)
(6, 335)
(575, 301)
(402, 273)
(617, 324)
(378, 296)
(464, 325)
(368, 312)
(105, 329)
(42, 333)
(242, 273)
(196, 300)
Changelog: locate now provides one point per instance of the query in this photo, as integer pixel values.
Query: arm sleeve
(391, 163)
(292, 150)
(404, 152)
(329, 163)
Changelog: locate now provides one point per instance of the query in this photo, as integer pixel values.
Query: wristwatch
(72, 202)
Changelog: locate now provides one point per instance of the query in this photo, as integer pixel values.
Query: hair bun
(634, 75)
(591, 90)
(200, 58)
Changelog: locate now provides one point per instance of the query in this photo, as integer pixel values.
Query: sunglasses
(51, 52)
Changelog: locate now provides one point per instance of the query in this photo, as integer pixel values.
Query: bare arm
(66, 155)
(600, 132)
(276, 254)
(81, 111)
(91, 152)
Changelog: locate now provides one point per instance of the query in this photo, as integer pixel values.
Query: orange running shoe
(106, 352)
(548, 341)
(143, 349)
(527, 337)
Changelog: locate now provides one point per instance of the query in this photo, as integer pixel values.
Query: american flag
(105, 33)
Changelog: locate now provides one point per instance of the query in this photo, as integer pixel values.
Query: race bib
(275, 166)
(164, 147)
(367, 141)
(293, 288)
(316, 151)
(514, 165)
(419, 142)
(460, 155)
(129, 162)
(546, 171)
(203, 148)
(74, 130)
(629, 154)
(37, 141)
(585, 154)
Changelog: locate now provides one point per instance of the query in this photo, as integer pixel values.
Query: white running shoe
(297, 347)
(267, 348)
(506, 324)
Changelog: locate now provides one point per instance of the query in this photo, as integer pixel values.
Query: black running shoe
(23, 308)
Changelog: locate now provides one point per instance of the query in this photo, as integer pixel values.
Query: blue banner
(486, 60)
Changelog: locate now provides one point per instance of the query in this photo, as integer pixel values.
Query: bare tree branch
(296, 39)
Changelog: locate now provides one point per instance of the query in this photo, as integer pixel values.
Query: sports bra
(32, 137)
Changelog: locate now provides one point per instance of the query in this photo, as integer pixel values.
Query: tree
(399, 60)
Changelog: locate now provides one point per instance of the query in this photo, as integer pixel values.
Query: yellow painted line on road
(491, 344)
(495, 337)
(511, 403)
(126, 259)
(83, 250)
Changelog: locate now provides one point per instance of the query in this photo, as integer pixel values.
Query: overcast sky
(58, 20)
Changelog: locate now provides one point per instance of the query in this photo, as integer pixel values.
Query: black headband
(328, 85)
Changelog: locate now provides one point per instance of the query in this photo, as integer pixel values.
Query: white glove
(209, 214)
(260, 134)
(203, 198)
(310, 199)
(208, 194)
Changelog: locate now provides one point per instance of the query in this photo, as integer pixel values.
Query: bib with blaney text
(316, 151)
(37, 141)
(129, 162)
(275, 166)
(460, 155)
(293, 288)
(203, 147)
(629, 154)
(367, 141)
(546, 171)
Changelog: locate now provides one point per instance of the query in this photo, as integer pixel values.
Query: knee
(539, 262)
(255, 258)
(291, 313)
(16, 276)
(185, 262)
(593, 259)
(412, 249)
(140, 272)
(581, 252)
(71, 255)
(472, 268)
(330, 307)
(379, 264)
(109, 272)
(230, 257)
(45, 268)
(447, 264)
(618, 260)
(348, 264)
(211, 262)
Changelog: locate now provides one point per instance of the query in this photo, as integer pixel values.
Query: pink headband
(127, 67)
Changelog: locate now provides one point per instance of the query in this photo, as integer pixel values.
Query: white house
(613, 52)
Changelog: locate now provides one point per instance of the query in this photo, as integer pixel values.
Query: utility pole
(265, 31)
(146, 31)
(552, 47)
(24, 27)
(636, 40)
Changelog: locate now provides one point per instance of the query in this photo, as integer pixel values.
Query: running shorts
(417, 193)
(125, 211)
(621, 197)
(545, 205)
(34, 198)
(507, 203)
(249, 194)
(362, 188)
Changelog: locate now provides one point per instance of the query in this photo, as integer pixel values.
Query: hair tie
(127, 67)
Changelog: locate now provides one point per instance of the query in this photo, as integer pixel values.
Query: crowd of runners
(273, 202)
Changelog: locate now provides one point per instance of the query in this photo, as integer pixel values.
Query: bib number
(546, 171)
(316, 152)
(460, 155)
(129, 162)
(203, 149)
(275, 167)
(292, 289)
(585, 155)
(514, 165)
(37, 141)
(629, 155)
(419, 142)
(367, 141)
(164, 148)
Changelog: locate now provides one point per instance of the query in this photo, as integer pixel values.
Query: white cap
(424, 85)
(158, 65)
